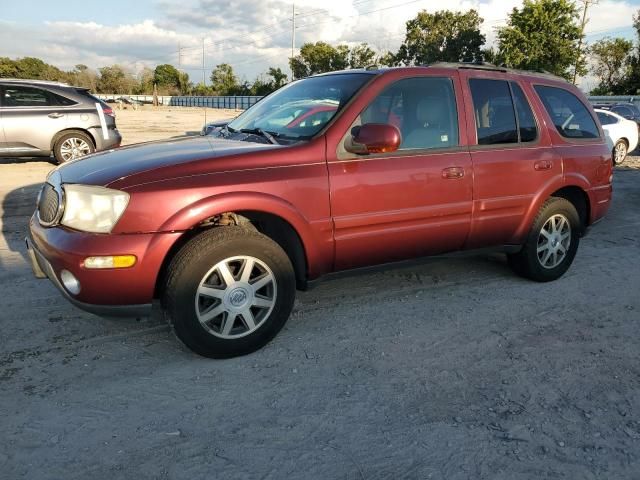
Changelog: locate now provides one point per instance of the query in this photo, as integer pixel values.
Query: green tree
(443, 36)
(361, 56)
(631, 84)
(542, 35)
(223, 80)
(610, 64)
(115, 79)
(83, 76)
(319, 57)
(167, 77)
(279, 78)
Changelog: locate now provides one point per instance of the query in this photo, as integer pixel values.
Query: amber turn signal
(114, 261)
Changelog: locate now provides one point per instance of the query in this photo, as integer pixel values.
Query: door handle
(452, 173)
(543, 165)
(55, 115)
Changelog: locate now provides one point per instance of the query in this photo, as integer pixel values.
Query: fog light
(70, 282)
(114, 261)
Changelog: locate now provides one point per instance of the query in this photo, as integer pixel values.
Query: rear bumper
(113, 140)
(126, 292)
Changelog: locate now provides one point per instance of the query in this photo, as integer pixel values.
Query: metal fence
(615, 99)
(232, 102)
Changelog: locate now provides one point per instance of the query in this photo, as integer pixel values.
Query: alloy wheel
(235, 297)
(554, 241)
(73, 148)
(620, 153)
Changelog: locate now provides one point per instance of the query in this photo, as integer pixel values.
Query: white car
(622, 134)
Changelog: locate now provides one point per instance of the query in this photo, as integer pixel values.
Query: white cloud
(251, 34)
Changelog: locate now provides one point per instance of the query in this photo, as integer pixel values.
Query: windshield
(301, 109)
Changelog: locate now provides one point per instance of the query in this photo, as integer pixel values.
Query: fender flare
(555, 184)
(205, 208)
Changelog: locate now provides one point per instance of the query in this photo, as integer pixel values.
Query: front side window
(18, 96)
(568, 113)
(301, 109)
(493, 110)
(422, 108)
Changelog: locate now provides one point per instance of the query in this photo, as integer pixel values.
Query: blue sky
(250, 34)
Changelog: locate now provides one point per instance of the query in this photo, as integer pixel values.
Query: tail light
(109, 111)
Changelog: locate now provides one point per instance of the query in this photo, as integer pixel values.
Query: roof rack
(39, 82)
(493, 68)
(469, 65)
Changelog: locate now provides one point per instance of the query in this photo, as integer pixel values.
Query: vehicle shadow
(17, 207)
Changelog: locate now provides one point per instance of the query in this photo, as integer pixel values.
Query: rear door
(31, 117)
(412, 202)
(512, 155)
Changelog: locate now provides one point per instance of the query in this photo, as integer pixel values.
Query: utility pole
(203, 71)
(585, 6)
(293, 34)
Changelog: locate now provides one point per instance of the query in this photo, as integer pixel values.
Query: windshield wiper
(258, 131)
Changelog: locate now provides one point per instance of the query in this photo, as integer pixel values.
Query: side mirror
(373, 138)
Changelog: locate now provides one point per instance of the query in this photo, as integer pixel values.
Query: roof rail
(469, 65)
(36, 81)
(494, 68)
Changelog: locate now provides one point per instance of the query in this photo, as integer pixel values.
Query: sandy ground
(149, 123)
(455, 369)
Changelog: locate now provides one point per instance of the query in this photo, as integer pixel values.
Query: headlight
(93, 209)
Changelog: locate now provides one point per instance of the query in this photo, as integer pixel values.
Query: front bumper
(126, 292)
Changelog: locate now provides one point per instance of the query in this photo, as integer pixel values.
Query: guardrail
(615, 99)
(237, 102)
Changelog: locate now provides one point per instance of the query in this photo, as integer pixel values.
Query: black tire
(57, 146)
(192, 264)
(527, 263)
(619, 144)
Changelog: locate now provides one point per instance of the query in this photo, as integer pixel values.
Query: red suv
(407, 162)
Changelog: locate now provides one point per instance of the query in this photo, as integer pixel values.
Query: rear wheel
(552, 242)
(620, 151)
(229, 291)
(72, 145)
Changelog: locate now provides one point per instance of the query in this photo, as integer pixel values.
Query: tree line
(541, 35)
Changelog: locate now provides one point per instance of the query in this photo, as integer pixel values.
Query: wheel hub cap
(236, 297)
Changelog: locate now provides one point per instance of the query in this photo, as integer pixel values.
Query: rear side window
(606, 119)
(526, 121)
(569, 115)
(493, 110)
(18, 96)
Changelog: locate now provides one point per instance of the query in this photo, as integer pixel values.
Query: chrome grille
(48, 205)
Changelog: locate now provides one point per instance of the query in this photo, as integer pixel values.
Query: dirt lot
(455, 369)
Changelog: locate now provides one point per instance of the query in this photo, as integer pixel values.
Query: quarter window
(569, 115)
(422, 108)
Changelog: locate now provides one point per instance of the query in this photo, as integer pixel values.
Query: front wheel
(229, 291)
(552, 243)
(620, 151)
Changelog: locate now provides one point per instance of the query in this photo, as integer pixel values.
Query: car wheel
(619, 152)
(72, 145)
(552, 242)
(228, 291)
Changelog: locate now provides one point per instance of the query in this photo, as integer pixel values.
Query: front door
(412, 202)
(31, 118)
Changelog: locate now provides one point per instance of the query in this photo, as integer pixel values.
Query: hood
(106, 167)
